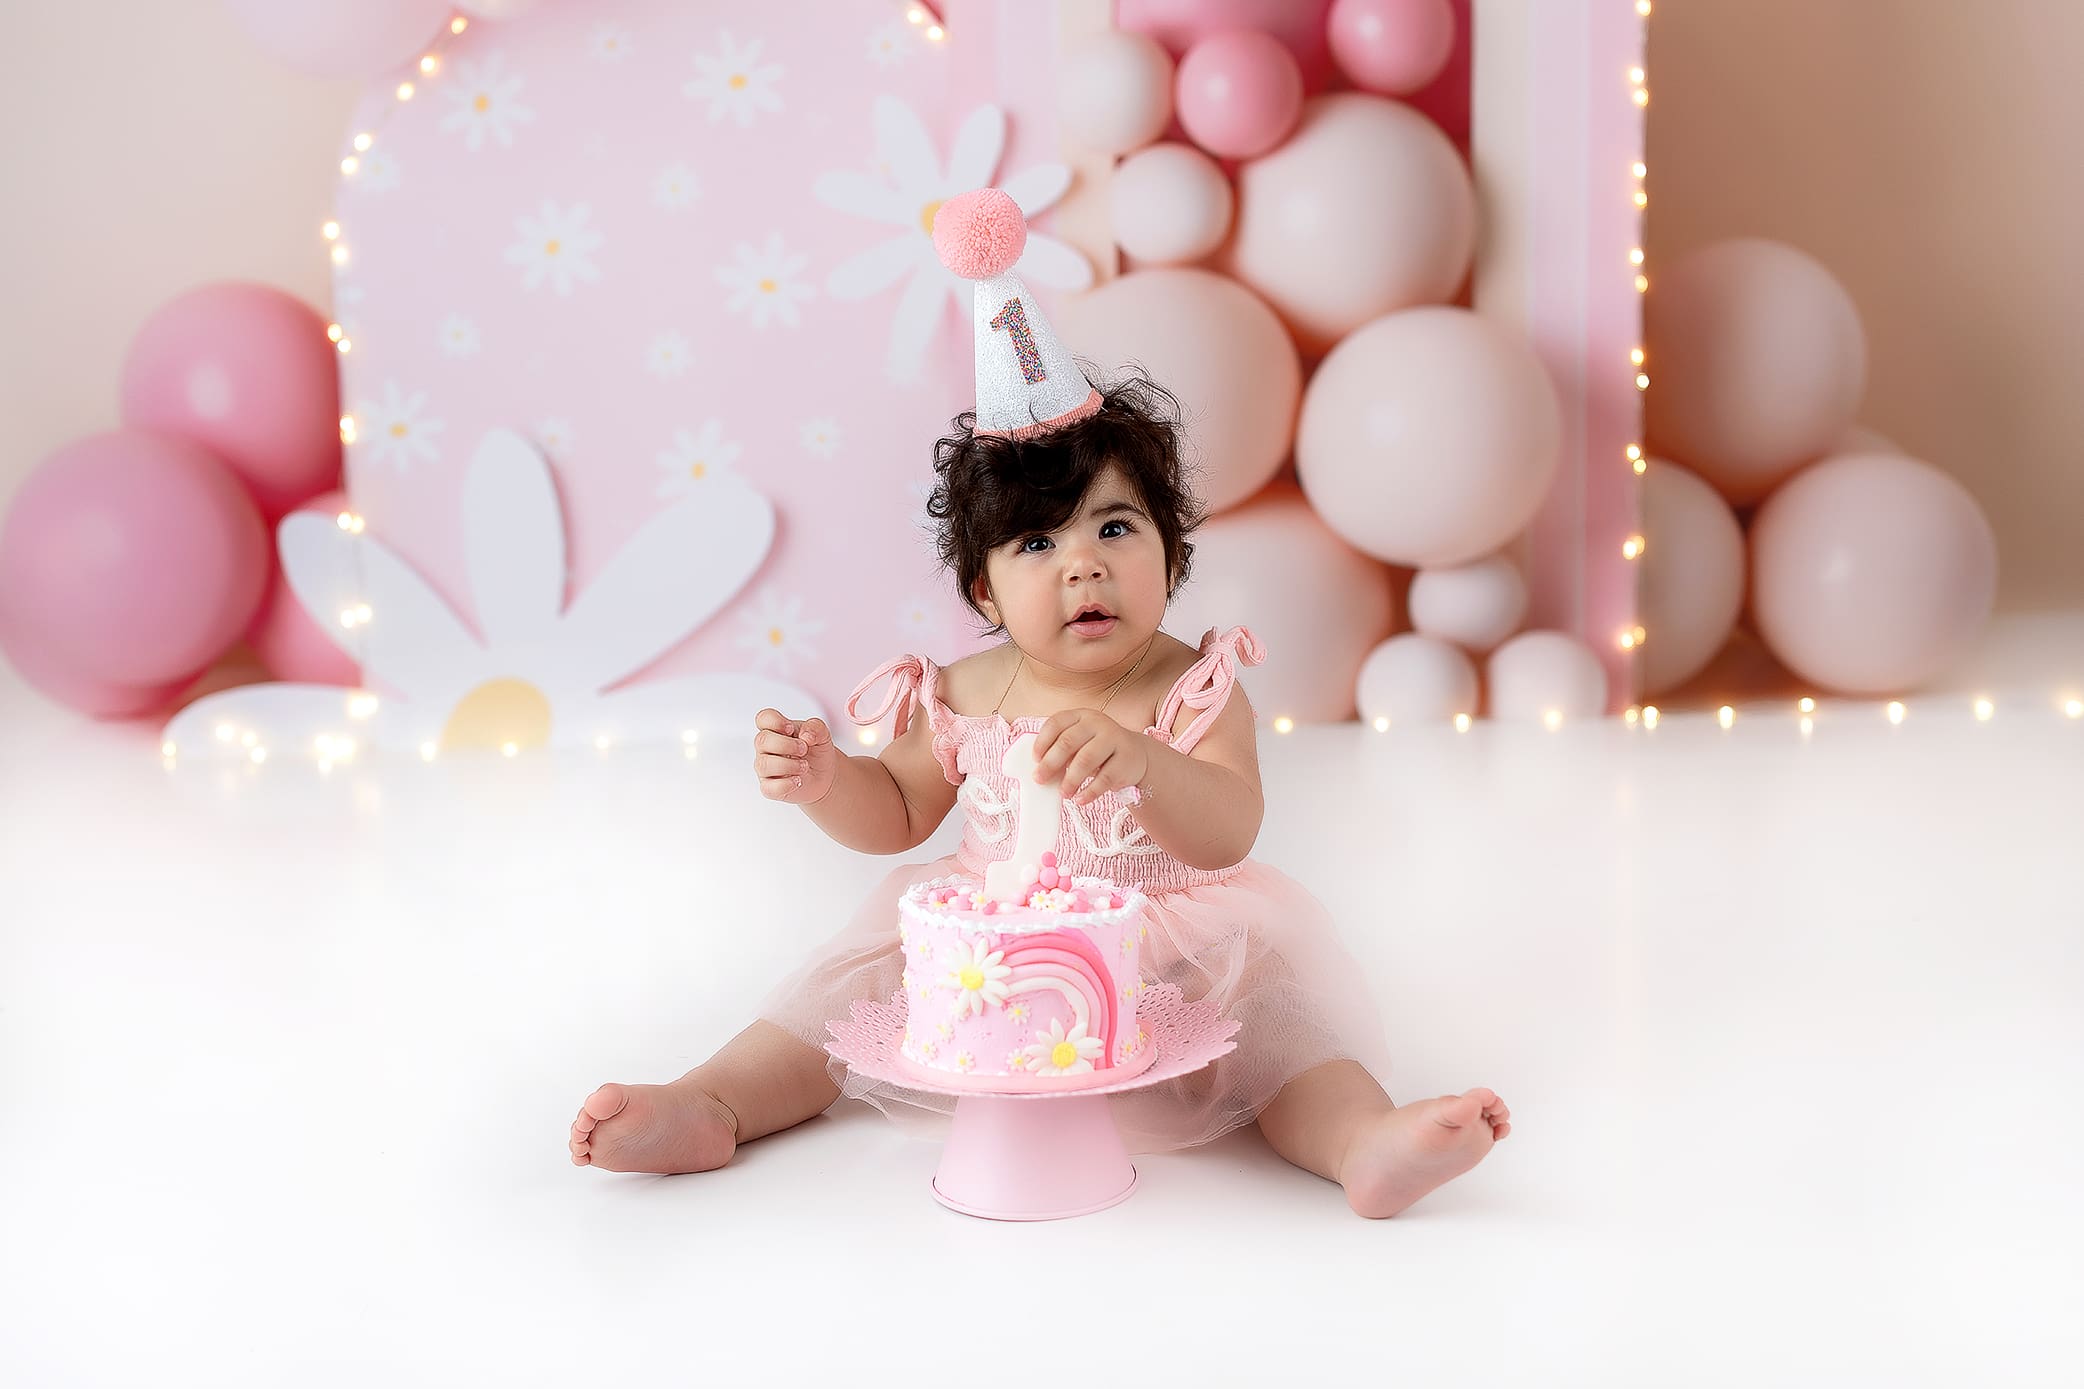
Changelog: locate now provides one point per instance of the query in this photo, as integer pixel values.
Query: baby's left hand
(1082, 743)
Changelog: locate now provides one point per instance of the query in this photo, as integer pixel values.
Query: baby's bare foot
(653, 1128)
(1400, 1156)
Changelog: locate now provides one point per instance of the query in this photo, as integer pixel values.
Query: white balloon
(1539, 675)
(1690, 587)
(1413, 679)
(1115, 92)
(1475, 606)
(1171, 204)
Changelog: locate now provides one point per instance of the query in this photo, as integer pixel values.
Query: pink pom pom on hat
(1027, 383)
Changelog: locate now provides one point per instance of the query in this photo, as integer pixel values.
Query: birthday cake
(1034, 990)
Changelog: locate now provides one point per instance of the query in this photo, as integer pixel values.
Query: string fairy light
(1634, 546)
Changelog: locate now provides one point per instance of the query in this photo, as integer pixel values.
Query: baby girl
(1063, 514)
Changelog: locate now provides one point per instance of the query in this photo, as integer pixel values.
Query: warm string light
(1726, 716)
(1382, 723)
(1634, 546)
(1985, 710)
(1284, 724)
(2074, 708)
(868, 737)
(1896, 711)
(1461, 723)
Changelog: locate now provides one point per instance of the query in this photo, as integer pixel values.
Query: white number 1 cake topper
(1040, 807)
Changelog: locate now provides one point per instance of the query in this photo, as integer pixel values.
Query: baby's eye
(1126, 527)
(1033, 540)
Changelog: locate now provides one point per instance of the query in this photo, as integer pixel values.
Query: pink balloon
(1216, 347)
(1413, 679)
(362, 39)
(48, 671)
(1757, 363)
(1366, 209)
(1319, 605)
(1871, 573)
(1690, 584)
(288, 640)
(1544, 675)
(1429, 437)
(1171, 204)
(131, 560)
(246, 371)
(1395, 47)
(1239, 93)
(1115, 92)
(1474, 605)
(1180, 24)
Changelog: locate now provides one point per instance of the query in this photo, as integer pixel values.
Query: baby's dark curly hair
(993, 489)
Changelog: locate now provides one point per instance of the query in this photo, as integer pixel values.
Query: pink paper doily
(1186, 1036)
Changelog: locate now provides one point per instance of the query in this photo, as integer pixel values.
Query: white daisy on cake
(610, 44)
(820, 436)
(777, 632)
(675, 187)
(525, 666)
(459, 336)
(556, 244)
(964, 1061)
(1018, 1012)
(394, 431)
(668, 355)
(763, 282)
(734, 81)
(909, 188)
(975, 969)
(1060, 1053)
(484, 102)
(695, 458)
(1016, 1060)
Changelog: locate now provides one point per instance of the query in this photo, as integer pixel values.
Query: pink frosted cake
(1033, 995)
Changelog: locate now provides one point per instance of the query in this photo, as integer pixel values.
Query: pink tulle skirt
(1258, 943)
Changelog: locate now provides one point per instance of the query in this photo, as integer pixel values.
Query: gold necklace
(1022, 663)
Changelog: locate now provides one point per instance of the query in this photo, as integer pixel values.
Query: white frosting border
(1132, 906)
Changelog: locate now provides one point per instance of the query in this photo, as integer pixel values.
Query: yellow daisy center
(482, 104)
(400, 430)
(737, 81)
(697, 470)
(972, 978)
(927, 213)
(1063, 1056)
(774, 636)
(550, 247)
(499, 712)
(767, 286)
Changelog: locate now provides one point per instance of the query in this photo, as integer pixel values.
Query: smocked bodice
(1099, 839)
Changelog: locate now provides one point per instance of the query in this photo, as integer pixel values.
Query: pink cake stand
(1009, 1157)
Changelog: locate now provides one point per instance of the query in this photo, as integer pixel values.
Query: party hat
(1026, 381)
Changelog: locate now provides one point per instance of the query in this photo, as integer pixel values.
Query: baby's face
(1110, 555)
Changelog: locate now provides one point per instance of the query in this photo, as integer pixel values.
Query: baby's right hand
(795, 762)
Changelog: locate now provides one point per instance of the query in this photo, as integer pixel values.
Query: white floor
(1792, 1029)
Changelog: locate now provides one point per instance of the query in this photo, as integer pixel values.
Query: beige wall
(1931, 153)
(1928, 151)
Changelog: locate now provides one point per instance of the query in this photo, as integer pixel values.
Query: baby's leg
(1336, 1121)
(762, 1081)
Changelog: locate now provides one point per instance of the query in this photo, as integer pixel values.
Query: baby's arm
(887, 804)
(1204, 807)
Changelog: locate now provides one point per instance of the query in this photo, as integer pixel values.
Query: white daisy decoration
(975, 971)
(964, 1061)
(557, 244)
(610, 44)
(733, 80)
(916, 620)
(1059, 1053)
(695, 459)
(820, 436)
(1018, 1012)
(928, 1047)
(668, 355)
(378, 171)
(675, 187)
(537, 668)
(556, 434)
(892, 44)
(484, 102)
(946, 1029)
(459, 336)
(777, 632)
(908, 190)
(395, 431)
(1016, 1060)
(763, 282)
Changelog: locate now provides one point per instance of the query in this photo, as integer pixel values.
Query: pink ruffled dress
(1249, 937)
